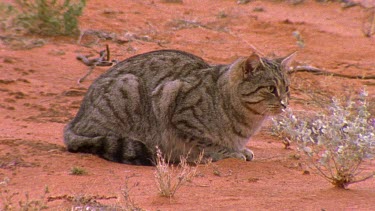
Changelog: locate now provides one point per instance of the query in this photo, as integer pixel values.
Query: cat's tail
(110, 147)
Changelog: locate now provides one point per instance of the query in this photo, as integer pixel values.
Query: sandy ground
(39, 94)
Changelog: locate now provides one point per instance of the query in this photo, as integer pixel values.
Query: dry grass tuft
(170, 178)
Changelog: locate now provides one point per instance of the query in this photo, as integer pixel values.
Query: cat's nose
(284, 103)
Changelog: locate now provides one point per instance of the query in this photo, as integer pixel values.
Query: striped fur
(178, 102)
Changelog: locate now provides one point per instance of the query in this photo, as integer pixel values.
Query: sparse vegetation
(129, 203)
(51, 17)
(170, 178)
(78, 171)
(336, 143)
(26, 204)
(45, 17)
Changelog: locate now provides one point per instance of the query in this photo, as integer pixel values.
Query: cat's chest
(240, 131)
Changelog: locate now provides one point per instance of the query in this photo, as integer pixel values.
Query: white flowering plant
(337, 142)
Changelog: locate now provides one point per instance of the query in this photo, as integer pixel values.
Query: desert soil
(39, 94)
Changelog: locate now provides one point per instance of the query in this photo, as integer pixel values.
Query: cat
(177, 102)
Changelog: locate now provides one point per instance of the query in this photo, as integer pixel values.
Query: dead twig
(103, 60)
(82, 199)
(317, 71)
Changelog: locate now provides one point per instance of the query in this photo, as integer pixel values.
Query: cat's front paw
(238, 155)
(249, 155)
(246, 155)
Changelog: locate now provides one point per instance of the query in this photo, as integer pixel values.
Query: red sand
(39, 95)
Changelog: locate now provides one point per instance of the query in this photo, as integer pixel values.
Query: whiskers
(274, 109)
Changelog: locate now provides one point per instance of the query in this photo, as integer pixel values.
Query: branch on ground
(102, 61)
(317, 71)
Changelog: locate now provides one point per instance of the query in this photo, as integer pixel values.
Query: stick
(102, 61)
(318, 71)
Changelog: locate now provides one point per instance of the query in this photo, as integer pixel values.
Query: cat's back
(162, 63)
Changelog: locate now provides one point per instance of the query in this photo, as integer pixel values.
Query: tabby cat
(180, 103)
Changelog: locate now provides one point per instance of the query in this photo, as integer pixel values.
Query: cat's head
(261, 84)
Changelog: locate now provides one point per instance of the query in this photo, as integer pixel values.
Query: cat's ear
(243, 67)
(286, 61)
(251, 64)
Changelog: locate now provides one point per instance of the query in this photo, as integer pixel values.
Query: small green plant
(50, 17)
(78, 171)
(336, 142)
(170, 178)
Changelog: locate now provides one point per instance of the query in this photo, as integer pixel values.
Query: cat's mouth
(274, 110)
(279, 108)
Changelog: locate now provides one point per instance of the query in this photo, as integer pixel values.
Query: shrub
(50, 17)
(336, 142)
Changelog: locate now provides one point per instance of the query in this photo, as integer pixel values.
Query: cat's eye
(272, 89)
